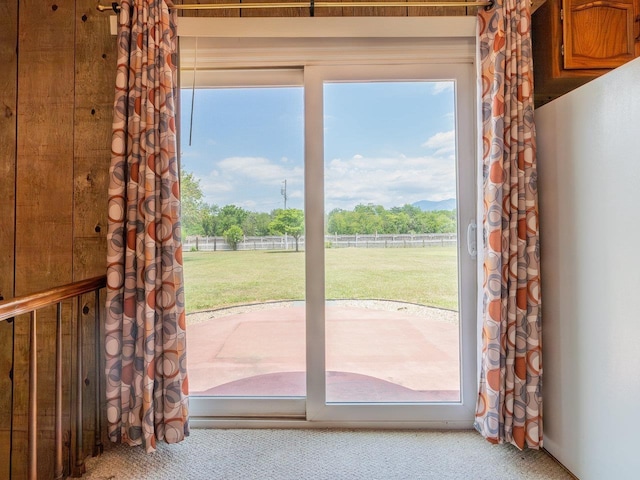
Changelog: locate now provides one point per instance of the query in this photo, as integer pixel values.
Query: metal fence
(210, 244)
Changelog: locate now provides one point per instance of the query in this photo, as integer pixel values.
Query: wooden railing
(30, 304)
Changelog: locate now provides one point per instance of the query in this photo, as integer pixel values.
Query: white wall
(589, 186)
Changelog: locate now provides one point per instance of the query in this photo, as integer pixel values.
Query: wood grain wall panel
(326, 12)
(20, 399)
(68, 312)
(189, 13)
(95, 66)
(45, 146)
(6, 360)
(90, 212)
(329, 12)
(89, 378)
(8, 99)
(208, 13)
(89, 257)
(440, 11)
(374, 11)
(44, 203)
(275, 12)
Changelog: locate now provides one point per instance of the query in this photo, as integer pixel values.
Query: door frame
(452, 43)
(432, 414)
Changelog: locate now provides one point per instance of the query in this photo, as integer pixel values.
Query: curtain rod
(316, 4)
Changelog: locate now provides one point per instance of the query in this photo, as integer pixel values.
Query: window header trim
(324, 27)
(271, 43)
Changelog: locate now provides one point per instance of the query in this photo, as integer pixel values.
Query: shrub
(233, 235)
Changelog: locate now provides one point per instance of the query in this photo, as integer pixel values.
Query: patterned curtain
(509, 407)
(147, 387)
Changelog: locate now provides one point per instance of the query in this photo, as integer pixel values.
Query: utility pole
(283, 192)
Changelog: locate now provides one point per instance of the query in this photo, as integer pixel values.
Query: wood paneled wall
(56, 89)
(326, 12)
(95, 66)
(8, 98)
(44, 204)
(56, 94)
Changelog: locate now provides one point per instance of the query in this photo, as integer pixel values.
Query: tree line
(233, 222)
(372, 219)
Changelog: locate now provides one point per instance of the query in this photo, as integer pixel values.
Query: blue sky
(386, 143)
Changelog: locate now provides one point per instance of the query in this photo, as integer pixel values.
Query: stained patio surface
(396, 353)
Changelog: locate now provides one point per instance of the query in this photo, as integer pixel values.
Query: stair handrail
(30, 304)
(34, 301)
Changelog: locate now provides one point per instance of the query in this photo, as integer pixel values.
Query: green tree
(289, 222)
(409, 214)
(337, 221)
(233, 236)
(228, 216)
(444, 221)
(256, 224)
(370, 218)
(209, 220)
(396, 222)
(439, 221)
(191, 202)
(367, 219)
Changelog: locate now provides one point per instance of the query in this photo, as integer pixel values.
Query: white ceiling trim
(214, 43)
(323, 27)
(213, 54)
(327, 27)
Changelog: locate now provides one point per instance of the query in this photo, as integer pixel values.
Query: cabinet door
(598, 34)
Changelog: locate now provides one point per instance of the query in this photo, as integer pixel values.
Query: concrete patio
(397, 353)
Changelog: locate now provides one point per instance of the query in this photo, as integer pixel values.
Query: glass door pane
(242, 189)
(391, 256)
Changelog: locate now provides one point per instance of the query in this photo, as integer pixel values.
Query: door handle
(472, 240)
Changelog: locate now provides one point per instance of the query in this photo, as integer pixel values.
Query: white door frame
(448, 54)
(428, 414)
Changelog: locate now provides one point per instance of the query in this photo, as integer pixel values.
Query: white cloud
(442, 143)
(212, 188)
(388, 181)
(258, 168)
(296, 194)
(439, 87)
(190, 154)
(255, 182)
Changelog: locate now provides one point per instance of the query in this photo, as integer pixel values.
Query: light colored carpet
(326, 454)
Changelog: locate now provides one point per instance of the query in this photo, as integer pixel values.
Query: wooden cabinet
(599, 34)
(575, 41)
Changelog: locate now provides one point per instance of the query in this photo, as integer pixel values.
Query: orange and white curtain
(509, 407)
(147, 387)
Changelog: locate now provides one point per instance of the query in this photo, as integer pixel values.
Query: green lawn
(427, 276)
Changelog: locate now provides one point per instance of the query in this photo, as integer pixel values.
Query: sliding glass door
(244, 260)
(392, 337)
(347, 293)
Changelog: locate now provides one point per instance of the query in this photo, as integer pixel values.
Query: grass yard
(427, 276)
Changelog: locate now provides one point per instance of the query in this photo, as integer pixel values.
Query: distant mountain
(430, 205)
